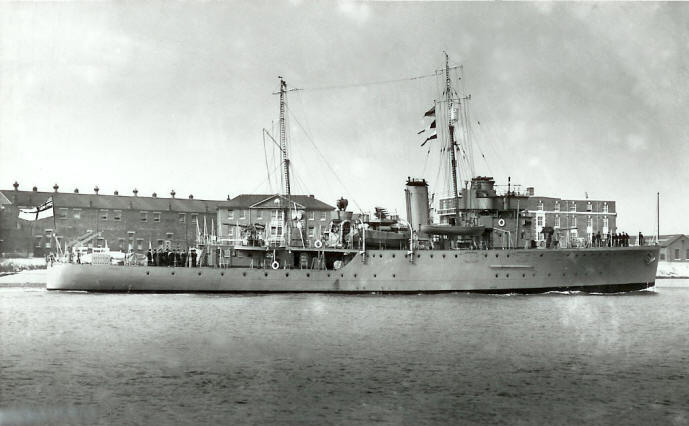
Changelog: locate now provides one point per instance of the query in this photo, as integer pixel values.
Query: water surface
(556, 358)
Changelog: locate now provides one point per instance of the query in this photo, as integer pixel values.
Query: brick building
(576, 219)
(267, 213)
(122, 221)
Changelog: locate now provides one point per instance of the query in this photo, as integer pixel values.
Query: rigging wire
(325, 160)
(265, 156)
(370, 83)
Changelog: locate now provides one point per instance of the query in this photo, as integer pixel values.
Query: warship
(470, 243)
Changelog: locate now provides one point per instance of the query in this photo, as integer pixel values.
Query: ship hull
(391, 271)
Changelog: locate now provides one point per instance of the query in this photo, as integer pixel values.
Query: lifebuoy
(501, 222)
(318, 244)
(275, 265)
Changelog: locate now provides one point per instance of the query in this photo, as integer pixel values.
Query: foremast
(453, 143)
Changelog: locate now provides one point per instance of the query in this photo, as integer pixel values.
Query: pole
(658, 216)
(453, 159)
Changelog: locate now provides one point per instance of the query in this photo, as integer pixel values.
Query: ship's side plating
(494, 271)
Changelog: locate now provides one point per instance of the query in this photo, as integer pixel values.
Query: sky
(572, 98)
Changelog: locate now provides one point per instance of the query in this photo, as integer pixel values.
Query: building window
(605, 225)
(169, 235)
(323, 215)
(662, 256)
(117, 215)
(130, 234)
(539, 206)
(539, 221)
(687, 257)
(100, 242)
(312, 215)
(38, 242)
(160, 243)
(194, 218)
(588, 207)
(76, 213)
(605, 207)
(589, 222)
(230, 214)
(242, 214)
(677, 254)
(120, 243)
(573, 207)
(259, 214)
(557, 206)
(139, 243)
(103, 214)
(311, 232)
(62, 213)
(181, 217)
(144, 216)
(156, 216)
(574, 221)
(557, 221)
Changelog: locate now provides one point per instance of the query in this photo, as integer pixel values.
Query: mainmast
(450, 122)
(283, 137)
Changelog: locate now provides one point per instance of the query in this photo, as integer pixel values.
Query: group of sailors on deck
(613, 240)
(168, 257)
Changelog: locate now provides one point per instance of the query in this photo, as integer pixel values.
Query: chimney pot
(191, 196)
(135, 191)
(76, 190)
(56, 187)
(16, 186)
(34, 189)
(172, 193)
(96, 189)
(116, 192)
(154, 195)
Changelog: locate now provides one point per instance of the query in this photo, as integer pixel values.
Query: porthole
(431, 256)
(199, 273)
(563, 274)
(354, 275)
(287, 274)
(533, 275)
(455, 256)
(222, 274)
(508, 255)
(393, 275)
(380, 255)
(485, 255)
(172, 273)
(419, 256)
(496, 275)
(540, 255)
(148, 273)
(548, 273)
(308, 275)
(341, 275)
(374, 275)
(244, 274)
(265, 274)
(496, 255)
(507, 275)
(393, 255)
(443, 256)
(328, 275)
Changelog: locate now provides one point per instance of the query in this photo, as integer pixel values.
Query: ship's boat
(470, 242)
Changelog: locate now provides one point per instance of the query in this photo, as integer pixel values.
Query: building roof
(245, 201)
(667, 240)
(117, 202)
